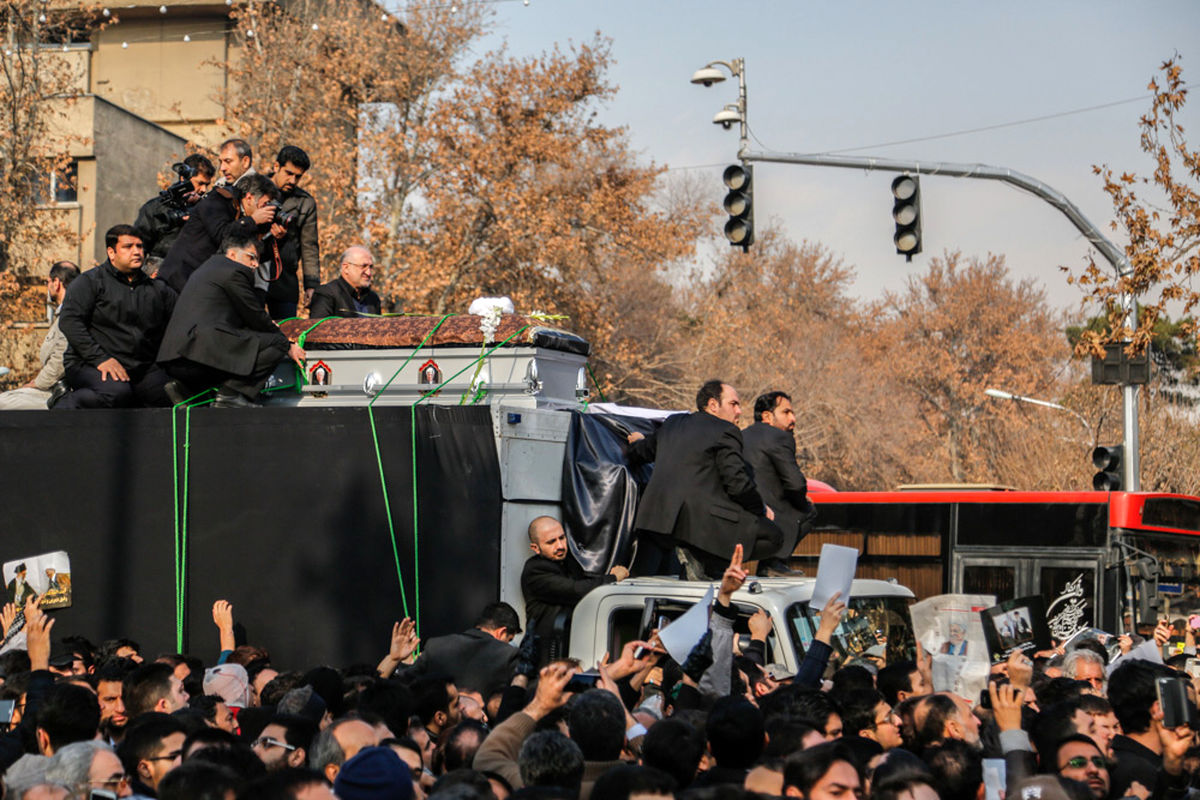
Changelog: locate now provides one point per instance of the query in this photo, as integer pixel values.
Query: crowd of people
(471, 715)
(188, 297)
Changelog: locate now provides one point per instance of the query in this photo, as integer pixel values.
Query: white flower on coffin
(489, 310)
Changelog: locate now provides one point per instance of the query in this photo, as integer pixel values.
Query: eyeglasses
(267, 742)
(113, 784)
(363, 267)
(1079, 762)
(174, 755)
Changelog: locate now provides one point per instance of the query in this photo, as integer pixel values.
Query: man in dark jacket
(771, 452)
(113, 317)
(552, 581)
(702, 494)
(480, 659)
(220, 334)
(159, 221)
(293, 244)
(226, 209)
(349, 295)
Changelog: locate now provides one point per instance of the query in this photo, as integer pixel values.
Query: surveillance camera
(726, 117)
(726, 124)
(706, 83)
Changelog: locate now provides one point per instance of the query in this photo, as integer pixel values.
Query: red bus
(1116, 558)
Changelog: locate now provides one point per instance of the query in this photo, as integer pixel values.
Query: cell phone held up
(582, 681)
(1177, 709)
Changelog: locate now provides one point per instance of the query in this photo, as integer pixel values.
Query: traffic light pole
(1111, 252)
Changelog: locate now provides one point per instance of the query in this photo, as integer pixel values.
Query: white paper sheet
(835, 571)
(681, 636)
(994, 776)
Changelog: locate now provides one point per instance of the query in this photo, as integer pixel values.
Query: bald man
(350, 294)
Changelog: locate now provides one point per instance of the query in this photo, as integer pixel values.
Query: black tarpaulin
(600, 490)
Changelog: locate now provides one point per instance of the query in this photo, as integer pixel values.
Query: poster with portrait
(47, 576)
(949, 629)
(1015, 625)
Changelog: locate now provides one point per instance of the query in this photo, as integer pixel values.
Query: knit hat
(375, 773)
(229, 682)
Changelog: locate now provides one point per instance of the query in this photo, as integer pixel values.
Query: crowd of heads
(107, 721)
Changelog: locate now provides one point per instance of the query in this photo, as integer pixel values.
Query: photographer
(245, 207)
(162, 216)
(293, 238)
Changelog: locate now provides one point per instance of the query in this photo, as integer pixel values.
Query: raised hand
(734, 577)
(404, 640)
(831, 615)
(1006, 705)
(551, 694)
(222, 614)
(37, 634)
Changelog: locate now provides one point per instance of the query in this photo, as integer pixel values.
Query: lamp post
(710, 74)
(1000, 394)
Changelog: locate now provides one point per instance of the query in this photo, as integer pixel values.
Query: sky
(831, 76)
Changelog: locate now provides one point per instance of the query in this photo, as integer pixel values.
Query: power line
(964, 132)
(998, 126)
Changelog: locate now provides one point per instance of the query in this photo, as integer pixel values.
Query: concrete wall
(159, 76)
(129, 154)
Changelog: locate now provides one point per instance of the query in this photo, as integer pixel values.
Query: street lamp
(733, 112)
(1000, 394)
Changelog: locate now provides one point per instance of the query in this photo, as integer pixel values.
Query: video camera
(283, 218)
(175, 196)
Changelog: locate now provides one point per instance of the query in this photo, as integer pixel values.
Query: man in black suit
(552, 581)
(480, 659)
(224, 210)
(349, 295)
(702, 493)
(220, 334)
(771, 452)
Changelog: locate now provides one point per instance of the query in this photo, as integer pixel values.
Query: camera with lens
(175, 196)
(283, 218)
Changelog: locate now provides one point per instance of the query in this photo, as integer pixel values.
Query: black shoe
(56, 393)
(178, 392)
(776, 568)
(227, 398)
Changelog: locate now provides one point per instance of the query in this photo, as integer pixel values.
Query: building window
(59, 187)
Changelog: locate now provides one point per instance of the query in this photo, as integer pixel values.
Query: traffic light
(906, 211)
(739, 204)
(1108, 461)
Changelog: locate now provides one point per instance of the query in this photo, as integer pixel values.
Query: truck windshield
(873, 627)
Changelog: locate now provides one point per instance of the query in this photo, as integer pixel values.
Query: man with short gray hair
(85, 766)
(348, 295)
(1082, 664)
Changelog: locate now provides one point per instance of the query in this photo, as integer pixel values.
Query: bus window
(990, 579)
(1179, 569)
(1033, 524)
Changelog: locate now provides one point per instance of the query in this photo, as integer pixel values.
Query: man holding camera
(243, 207)
(163, 215)
(292, 241)
(219, 334)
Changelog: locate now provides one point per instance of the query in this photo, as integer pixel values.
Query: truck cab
(613, 614)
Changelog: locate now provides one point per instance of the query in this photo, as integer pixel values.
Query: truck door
(1067, 582)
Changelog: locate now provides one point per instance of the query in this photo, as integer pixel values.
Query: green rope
(387, 504)
(301, 379)
(413, 447)
(603, 399)
(181, 523)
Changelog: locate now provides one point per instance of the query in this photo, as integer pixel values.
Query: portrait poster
(948, 627)
(1015, 625)
(47, 576)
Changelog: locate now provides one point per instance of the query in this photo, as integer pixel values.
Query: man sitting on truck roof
(552, 581)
